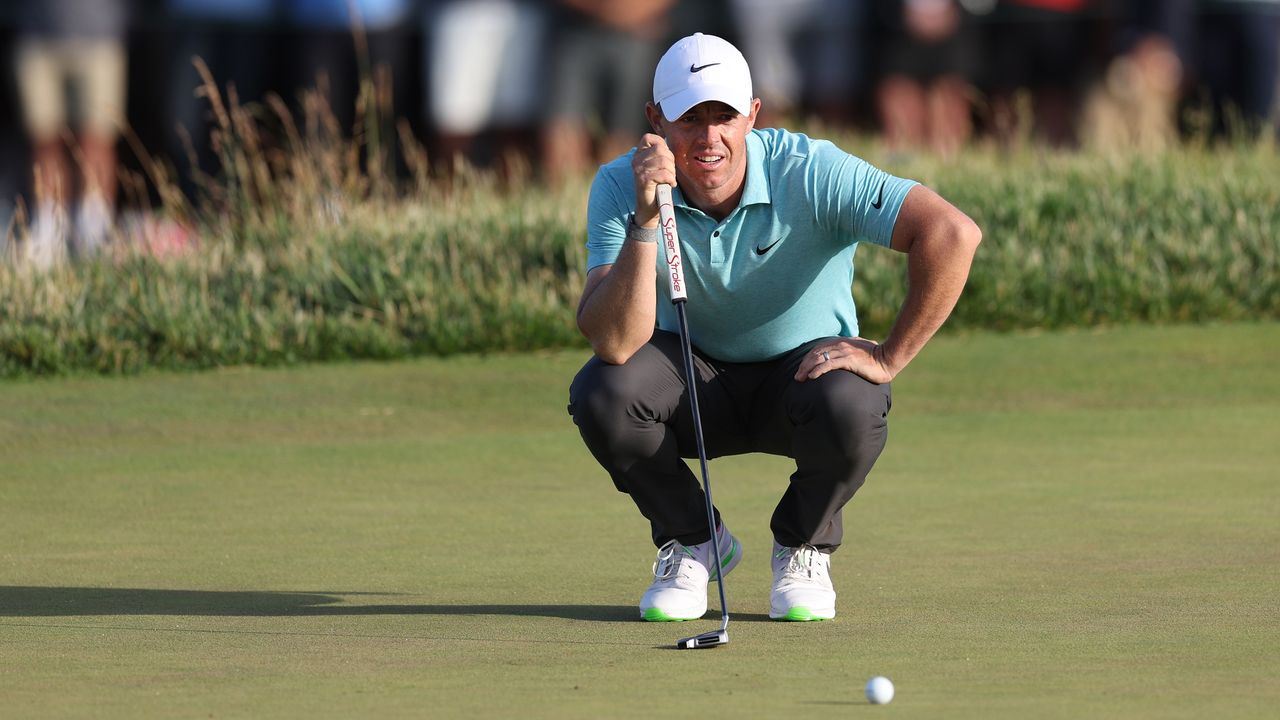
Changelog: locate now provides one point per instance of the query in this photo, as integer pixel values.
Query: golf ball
(879, 690)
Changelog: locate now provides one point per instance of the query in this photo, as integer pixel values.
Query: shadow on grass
(65, 602)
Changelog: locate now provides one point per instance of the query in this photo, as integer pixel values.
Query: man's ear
(755, 113)
(653, 114)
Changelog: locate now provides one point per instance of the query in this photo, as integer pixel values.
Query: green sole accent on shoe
(657, 615)
(800, 614)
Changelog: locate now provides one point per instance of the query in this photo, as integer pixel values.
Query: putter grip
(671, 243)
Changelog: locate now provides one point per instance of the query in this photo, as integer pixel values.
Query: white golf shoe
(680, 577)
(801, 584)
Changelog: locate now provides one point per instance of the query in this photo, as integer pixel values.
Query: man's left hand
(859, 356)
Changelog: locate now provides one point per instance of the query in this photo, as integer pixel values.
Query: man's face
(709, 143)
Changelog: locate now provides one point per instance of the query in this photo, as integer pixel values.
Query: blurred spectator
(1135, 102)
(76, 46)
(927, 55)
(1237, 61)
(561, 79)
(336, 42)
(711, 17)
(601, 60)
(803, 52)
(1041, 47)
(230, 37)
(11, 151)
(483, 72)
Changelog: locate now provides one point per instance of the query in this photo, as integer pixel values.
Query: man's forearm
(937, 269)
(617, 316)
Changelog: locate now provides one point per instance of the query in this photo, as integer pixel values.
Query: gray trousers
(635, 420)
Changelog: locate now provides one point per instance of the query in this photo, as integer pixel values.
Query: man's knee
(602, 392)
(640, 388)
(849, 411)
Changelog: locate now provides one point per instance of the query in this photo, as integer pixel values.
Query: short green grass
(1076, 524)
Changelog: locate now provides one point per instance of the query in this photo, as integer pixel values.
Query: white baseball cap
(699, 68)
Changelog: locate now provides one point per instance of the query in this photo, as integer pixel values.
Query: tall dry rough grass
(308, 249)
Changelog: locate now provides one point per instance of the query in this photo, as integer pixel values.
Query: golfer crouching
(768, 220)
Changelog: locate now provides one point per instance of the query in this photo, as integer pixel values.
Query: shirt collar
(757, 190)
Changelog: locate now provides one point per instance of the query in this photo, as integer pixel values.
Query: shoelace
(667, 561)
(664, 566)
(803, 560)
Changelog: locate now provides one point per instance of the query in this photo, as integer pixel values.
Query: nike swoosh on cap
(700, 68)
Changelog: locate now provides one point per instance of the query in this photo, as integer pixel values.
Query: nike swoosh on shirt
(875, 204)
(767, 248)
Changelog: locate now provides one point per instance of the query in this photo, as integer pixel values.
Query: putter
(675, 275)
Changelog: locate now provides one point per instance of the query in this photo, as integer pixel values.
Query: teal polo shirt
(778, 271)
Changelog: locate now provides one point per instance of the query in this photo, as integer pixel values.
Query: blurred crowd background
(560, 85)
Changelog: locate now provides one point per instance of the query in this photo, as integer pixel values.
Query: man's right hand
(653, 165)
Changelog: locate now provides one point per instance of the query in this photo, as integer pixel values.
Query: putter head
(705, 640)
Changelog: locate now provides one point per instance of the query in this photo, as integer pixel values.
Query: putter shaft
(675, 276)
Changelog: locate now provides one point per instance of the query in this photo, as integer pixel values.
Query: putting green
(1068, 525)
